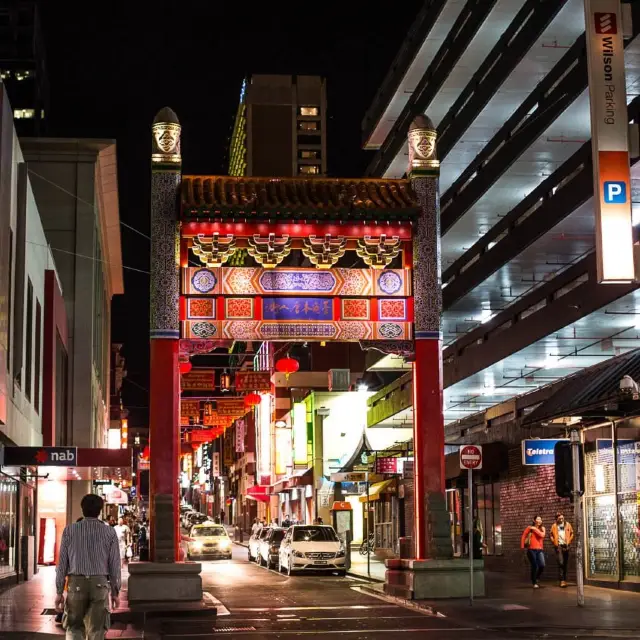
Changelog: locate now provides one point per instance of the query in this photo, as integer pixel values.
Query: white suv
(312, 547)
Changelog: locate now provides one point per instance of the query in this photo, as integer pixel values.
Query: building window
(29, 341)
(307, 154)
(36, 384)
(309, 111)
(311, 125)
(24, 114)
(309, 169)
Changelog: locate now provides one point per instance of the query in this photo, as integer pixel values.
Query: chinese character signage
(198, 380)
(240, 431)
(387, 465)
(297, 309)
(233, 407)
(216, 420)
(215, 466)
(253, 381)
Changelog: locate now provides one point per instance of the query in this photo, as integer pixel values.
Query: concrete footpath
(550, 611)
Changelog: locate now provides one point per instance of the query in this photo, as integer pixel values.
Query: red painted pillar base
(431, 518)
(164, 435)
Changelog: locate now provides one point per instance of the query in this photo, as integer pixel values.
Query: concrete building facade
(76, 188)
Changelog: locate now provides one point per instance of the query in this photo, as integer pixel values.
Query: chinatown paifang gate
(394, 304)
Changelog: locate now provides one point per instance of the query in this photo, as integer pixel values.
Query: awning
(592, 392)
(375, 490)
(258, 498)
(258, 490)
(277, 487)
(300, 478)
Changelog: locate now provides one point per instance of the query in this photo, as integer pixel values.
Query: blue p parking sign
(615, 192)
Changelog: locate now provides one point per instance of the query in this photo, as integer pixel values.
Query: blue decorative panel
(297, 309)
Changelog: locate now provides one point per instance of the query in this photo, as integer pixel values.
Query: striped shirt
(89, 548)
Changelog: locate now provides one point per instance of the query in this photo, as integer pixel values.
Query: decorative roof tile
(312, 198)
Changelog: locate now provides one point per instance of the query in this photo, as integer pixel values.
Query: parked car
(254, 543)
(196, 518)
(209, 540)
(314, 547)
(269, 548)
(184, 517)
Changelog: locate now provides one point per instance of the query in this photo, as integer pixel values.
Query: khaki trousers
(87, 607)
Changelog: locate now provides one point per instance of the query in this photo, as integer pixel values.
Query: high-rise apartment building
(280, 127)
(22, 65)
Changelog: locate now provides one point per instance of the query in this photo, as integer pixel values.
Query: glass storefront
(612, 501)
(8, 519)
(486, 506)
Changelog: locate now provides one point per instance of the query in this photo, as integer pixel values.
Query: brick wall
(524, 493)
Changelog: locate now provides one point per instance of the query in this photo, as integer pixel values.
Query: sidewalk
(513, 605)
(359, 567)
(28, 608)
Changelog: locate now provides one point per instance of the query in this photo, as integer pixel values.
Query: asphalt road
(260, 603)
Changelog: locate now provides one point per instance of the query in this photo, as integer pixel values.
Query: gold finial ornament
(422, 147)
(166, 138)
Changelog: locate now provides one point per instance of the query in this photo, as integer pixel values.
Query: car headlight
(298, 554)
(197, 545)
(341, 554)
(225, 544)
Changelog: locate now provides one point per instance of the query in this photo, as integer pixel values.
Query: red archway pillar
(431, 528)
(164, 390)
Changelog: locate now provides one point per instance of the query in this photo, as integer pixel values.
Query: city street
(263, 603)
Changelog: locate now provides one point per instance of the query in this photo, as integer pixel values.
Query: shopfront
(612, 503)
(8, 525)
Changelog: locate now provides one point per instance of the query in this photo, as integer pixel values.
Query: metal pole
(368, 526)
(577, 504)
(470, 484)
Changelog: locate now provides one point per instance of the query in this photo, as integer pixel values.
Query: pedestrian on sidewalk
(561, 539)
(90, 563)
(124, 539)
(533, 540)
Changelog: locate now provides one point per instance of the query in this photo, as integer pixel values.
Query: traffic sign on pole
(471, 456)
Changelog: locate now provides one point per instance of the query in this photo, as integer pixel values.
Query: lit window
(24, 114)
(308, 111)
(308, 126)
(41, 114)
(309, 168)
(309, 155)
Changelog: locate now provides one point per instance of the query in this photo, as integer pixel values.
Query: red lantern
(287, 366)
(185, 367)
(251, 400)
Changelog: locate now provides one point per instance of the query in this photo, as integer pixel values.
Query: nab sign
(40, 456)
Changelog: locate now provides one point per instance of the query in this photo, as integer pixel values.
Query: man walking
(90, 559)
(561, 539)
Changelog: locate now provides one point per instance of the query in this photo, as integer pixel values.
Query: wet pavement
(257, 603)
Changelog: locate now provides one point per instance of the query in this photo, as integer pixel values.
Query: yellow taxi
(208, 540)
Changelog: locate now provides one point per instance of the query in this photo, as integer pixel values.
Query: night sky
(112, 67)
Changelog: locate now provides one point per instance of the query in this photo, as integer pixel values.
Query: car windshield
(203, 532)
(278, 535)
(264, 533)
(314, 534)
